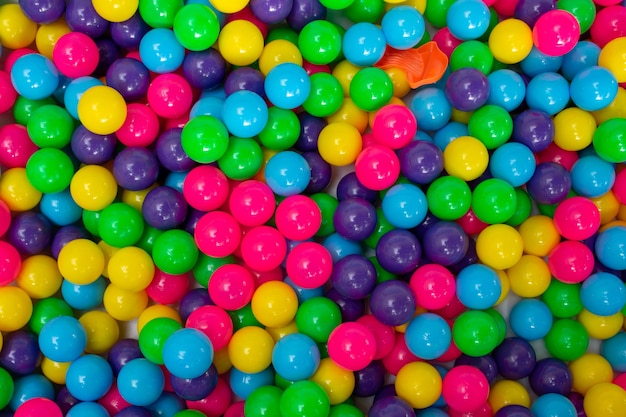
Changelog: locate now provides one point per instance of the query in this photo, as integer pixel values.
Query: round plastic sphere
(593, 88)
(20, 354)
(548, 92)
(89, 377)
(62, 339)
(298, 217)
(170, 96)
(466, 158)
(287, 173)
(174, 252)
(205, 139)
(363, 44)
(478, 287)
(567, 340)
(553, 404)
(550, 184)
(160, 51)
(187, 353)
(354, 276)
(550, 376)
(34, 77)
(217, 234)
(50, 126)
(419, 384)
(287, 85)
(465, 388)
(403, 27)
(512, 162)
(304, 398)
(506, 89)
(431, 108)
(428, 336)
(392, 303)
(75, 55)
(250, 349)
(295, 357)
(533, 128)
(492, 125)
(468, 19)
(421, 162)
(510, 41)
(589, 370)
(377, 167)
(231, 286)
(320, 42)
(433, 286)
(196, 27)
(317, 317)
(571, 262)
(612, 58)
(371, 89)
(352, 346)
(604, 399)
(309, 265)
(515, 358)
(530, 319)
(537, 62)
(38, 406)
(88, 408)
(251, 203)
(90, 148)
(405, 206)
(467, 89)
(140, 382)
(608, 139)
(102, 110)
(244, 113)
(274, 304)
(603, 294)
(475, 333)
(577, 218)
(556, 32)
(445, 243)
(494, 201)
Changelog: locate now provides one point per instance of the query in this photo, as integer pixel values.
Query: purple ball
(486, 364)
(122, 352)
(391, 407)
(470, 258)
(129, 77)
(134, 411)
(578, 401)
(321, 172)
(65, 235)
(65, 400)
(467, 89)
(193, 216)
(128, 34)
(195, 389)
(350, 309)
(43, 11)
(369, 380)
(109, 53)
(310, 128)
(384, 392)
(515, 358)
(513, 410)
(30, 233)
(271, 11)
(349, 186)
(135, 168)
(193, 300)
(170, 152)
(164, 208)
(20, 352)
(393, 303)
(550, 376)
(245, 78)
(445, 243)
(305, 11)
(534, 129)
(81, 16)
(204, 69)
(398, 251)
(550, 183)
(529, 11)
(354, 276)
(355, 218)
(426, 224)
(421, 162)
(90, 148)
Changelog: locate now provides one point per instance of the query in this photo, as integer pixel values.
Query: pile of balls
(313, 208)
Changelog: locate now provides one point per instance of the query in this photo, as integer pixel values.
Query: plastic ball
(556, 32)
(602, 294)
(553, 404)
(287, 173)
(475, 333)
(252, 203)
(506, 89)
(250, 349)
(287, 85)
(231, 286)
(537, 62)
(187, 353)
(468, 19)
(467, 89)
(604, 399)
(89, 378)
(513, 163)
(244, 113)
(140, 382)
(75, 55)
(608, 139)
(511, 41)
(428, 336)
(295, 357)
(465, 157)
(62, 339)
(508, 393)
(354, 276)
(34, 77)
(419, 384)
(431, 108)
(494, 201)
(403, 27)
(160, 51)
(589, 370)
(593, 88)
(304, 398)
(612, 58)
(266, 306)
(371, 89)
(38, 406)
(465, 388)
(548, 92)
(363, 44)
(478, 287)
(196, 27)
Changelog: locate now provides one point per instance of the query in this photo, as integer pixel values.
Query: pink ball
(214, 322)
(75, 55)
(113, 401)
(394, 126)
(465, 388)
(571, 262)
(263, 248)
(206, 188)
(556, 32)
(168, 288)
(482, 411)
(217, 234)
(10, 263)
(314, 68)
(8, 95)
(385, 335)
(141, 126)
(309, 265)
(276, 274)
(399, 356)
(231, 287)
(352, 346)
(38, 407)
(609, 24)
(577, 218)
(216, 403)
(170, 96)
(14, 56)
(446, 42)
(553, 153)
(5, 218)
(433, 285)
(368, 140)
(453, 351)
(298, 217)
(235, 409)
(471, 224)
(377, 167)
(252, 203)
(15, 146)
(505, 8)
(619, 187)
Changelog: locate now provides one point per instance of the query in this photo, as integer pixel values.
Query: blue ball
(296, 357)
(304, 294)
(443, 371)
(547, 92)
(468, 19)
(243, 384)
(167, 405)
(244, 113)
(87, 409)
(83, 297)
(514, 163)
(363, 44)
(603, 294)
(339, 247)
(530, 319)
(448, 133)
(614, 351)
(592, 176)
(176, 180)
(287, 85)
(62, 339)
(403, 27)
(431, 108)
(507, 89)
(160, 52)
(431, 412)
(29, 387)
(478, 287)
(34, 77)
(75, 90)
(89, 377)
(405, 206)
(536, 62)
(287, 173)
(593, 88)
(188, 353)
(428, 336)
(208, 106)
(60, 208)
(140, 382)
(584, 55)
(553, 405)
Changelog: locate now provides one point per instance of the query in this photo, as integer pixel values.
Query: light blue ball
(176, 180)
(83, 297)
(448, 133)
(431, 108)
(363, 44)
(34, 77)
(296, 357)
(62, 339)
(160, 52)
(29, 387)
(507, 89)
(593, 88)
(244, 113)
(140, 382)
(243, 384)
(536, 62)
(405, 206)
(468, 19)
(188, 353)
(513, 162)
(340, 247)
(60, 208)
(287, 173)
(478, 287)
(592, 176)
(428, 336)
(87, 409)
(553, 405)
(74, 92)
(584, 55)
(603, 294)
(209, 106)
(89, 377)
(548, 92)
(530, 319)
(167, 405)
(403, 27)
(614, 351)
(287, 85)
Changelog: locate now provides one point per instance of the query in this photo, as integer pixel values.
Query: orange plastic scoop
(423, 65)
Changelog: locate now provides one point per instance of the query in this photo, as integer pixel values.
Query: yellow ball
(48, 35)
(461, 116)
(16, 191)
(589, 370)
(274, 304)
(605, 400)
(135, 198)
(574, 129)
(529, 277)
(601, 327)
(499, 246)
(16, 307)
(511, 41)
(337, 382)
(39, 276)
(617, 108)
(93, 187)
(54, 371)
(344, 71)
(81, 261)
(608, 206)
(116, 10)
(278, 333)
(124, 305)
(108, 251)
(102, 331)
(401, 86)
(16, 30)
(339, 143)
(420, 5)
(466, 158)
(102, 110)
(539, 235)
(250, 349)
(507, 392)
(240, 42)
(277, 52)
(229, 6)
(419, 384)
(157, 311)
(131, 268)
(348, 112)
(613, 58)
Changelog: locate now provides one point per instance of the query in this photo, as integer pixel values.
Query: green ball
(90, 221)
(523, 208)
(47, 309)
(175, 252)
(382, 226)
(609, 140)
(326, 96)
(317, 317)
(365, 11)
(563, 299)
(382, 274)
(476, 333)
(449, 198)
(146, 242)
(281, 382)
(327, 205)
(205, 139)
(304, 399)
(494, 201)
(472, 54)
(153, 335)
(335, 5)
(583, 10)
(500, 323)
(24, 108)
(120, 225)
(492, 125)
(189, 413)
(436, 11)
(243, 318)
(283, 33)
(494, 19)
(567, 340)
(7, 388)
(242, 160)
(49, 170)
(159, 13)
(196, 27)
(206, 265)
(320, 42)
(371, 88)
(282, 129)
(345, 410)
(263, 402)
(50, 126)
